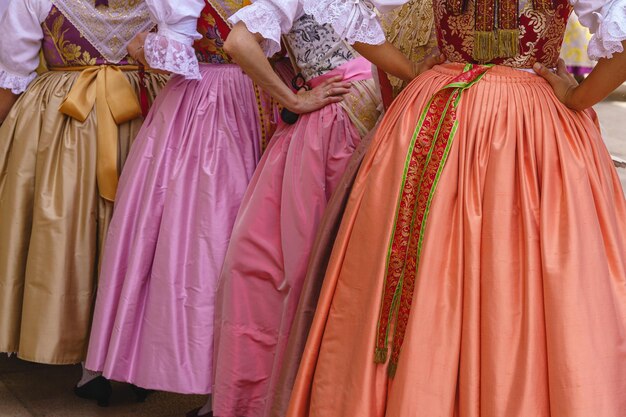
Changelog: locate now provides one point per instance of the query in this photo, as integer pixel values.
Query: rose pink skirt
(267, 259)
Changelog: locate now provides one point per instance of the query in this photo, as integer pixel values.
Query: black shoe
(141, 393)
(98, 389)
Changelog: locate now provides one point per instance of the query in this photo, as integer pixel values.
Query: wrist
(411, 71)
(292, 102)
(572, 99)
(138, 53)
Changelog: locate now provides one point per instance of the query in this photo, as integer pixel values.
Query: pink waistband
(355, 70)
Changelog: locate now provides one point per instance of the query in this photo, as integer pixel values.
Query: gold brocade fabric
(541, 34)
(411, 28)
(227, 8)
(362, 105)
(42, 67)
(68, 51)
(49, 251)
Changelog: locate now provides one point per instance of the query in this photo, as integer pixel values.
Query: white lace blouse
(170, 49)
(357, 21)
(20, 42)
(316, 48)
(606, 20)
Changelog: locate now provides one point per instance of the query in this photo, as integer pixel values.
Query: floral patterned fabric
(214, 28)
(541, 34)
(108, 29)
(64, 46)
(411, 29)
(316, 48)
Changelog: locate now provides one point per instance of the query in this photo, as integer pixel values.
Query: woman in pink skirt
(268, 254)
(177, 202)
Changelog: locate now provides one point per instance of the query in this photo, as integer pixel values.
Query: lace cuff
(611, 32)
(263, 18)
(170, 55)
(352, 20)
(16, 83)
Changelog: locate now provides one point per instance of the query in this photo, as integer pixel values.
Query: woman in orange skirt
(480, 268)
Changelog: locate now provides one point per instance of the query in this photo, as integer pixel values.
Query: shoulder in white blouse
(271, 19)
(606, 20)
(20, 42)
(353, 20)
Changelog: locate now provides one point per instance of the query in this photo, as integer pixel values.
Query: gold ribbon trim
(116, 102)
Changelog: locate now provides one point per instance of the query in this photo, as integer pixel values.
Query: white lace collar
(108, 29)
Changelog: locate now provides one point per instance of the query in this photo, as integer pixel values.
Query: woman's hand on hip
(328, 92)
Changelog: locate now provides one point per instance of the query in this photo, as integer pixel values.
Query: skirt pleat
(519, 306)
(176, 205)
(52, 221)
(267, 259)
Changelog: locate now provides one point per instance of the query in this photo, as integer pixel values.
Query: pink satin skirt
(175, 208)
(519, 307)
(266, 262)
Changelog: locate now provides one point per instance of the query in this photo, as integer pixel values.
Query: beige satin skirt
(52, 221)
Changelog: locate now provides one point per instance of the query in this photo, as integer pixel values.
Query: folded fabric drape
(116, 102)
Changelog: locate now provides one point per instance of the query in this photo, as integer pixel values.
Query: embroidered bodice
(64, 45)
(539, 37)
(315, 48)
(108, 28)
(411, 29)
(514, 33)
(70, 33)
(213, 28)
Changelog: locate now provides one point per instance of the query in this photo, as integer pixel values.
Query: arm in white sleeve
(606, 20)
(269, 18)
(20, 42)
(353, 20)
(171, 48)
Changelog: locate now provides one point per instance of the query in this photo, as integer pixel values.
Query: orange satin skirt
(519, 308)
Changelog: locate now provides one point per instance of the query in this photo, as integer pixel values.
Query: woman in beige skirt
(63, 140)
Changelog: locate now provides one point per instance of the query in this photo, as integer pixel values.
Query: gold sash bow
(116, 103)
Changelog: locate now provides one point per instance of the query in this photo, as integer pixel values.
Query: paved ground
(30, 390)
(612, 116)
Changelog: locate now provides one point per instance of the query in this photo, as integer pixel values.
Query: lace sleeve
(170, 55)
(20, 43)
(262, 17)
(16, 83)
(611, 32)
(354, 21)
